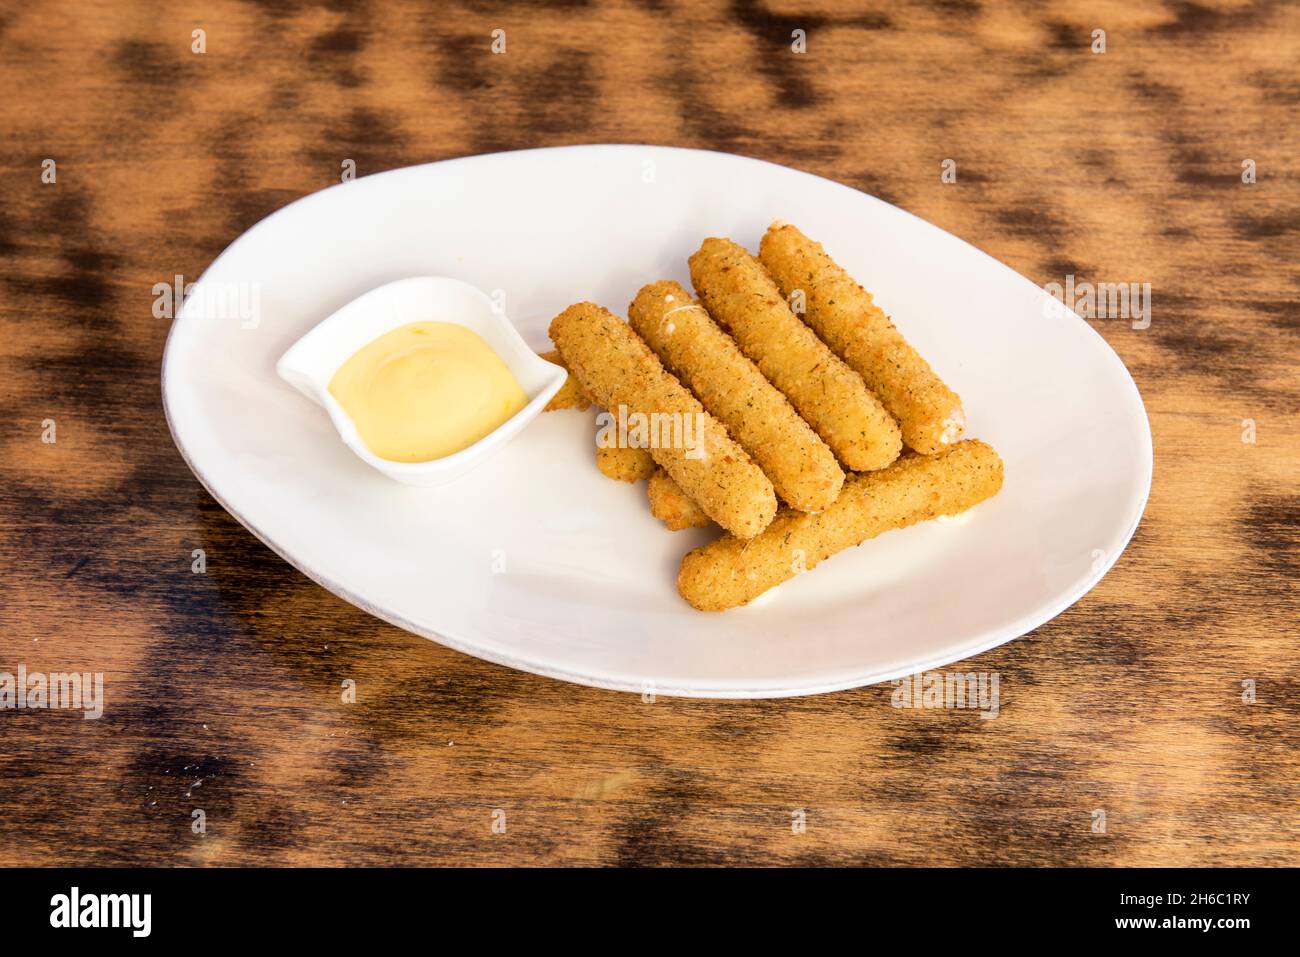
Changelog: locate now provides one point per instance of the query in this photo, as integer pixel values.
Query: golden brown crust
(625, 464)
(621, 374)
(672, 506)
(570, 395)
(732, 572)
(692, 346)
(844, 316)
(834, 400)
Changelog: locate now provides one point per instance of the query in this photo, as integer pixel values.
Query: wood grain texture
(223, 689)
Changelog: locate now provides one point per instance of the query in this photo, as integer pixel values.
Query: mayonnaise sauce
(426, 390)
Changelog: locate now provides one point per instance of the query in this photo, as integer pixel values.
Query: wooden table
(223, 688)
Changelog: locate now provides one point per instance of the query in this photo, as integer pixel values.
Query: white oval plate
(539, 562)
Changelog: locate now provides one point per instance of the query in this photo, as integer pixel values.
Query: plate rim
(983, 642)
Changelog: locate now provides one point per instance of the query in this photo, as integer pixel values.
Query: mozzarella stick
(801, 466)
(622, 375)
(826, 392)
(625, 463)
(671, 505)
(731, 572)
(843, 314)
(570, 395)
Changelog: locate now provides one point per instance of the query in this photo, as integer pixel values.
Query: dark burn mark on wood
(88, 274)
(1065, 36)
(1266, 225)
(866, 21)
(90, 259)
(1095, 158)
(1284, 314)
(66, 266)
(1271, 525)
(365, 134)
(1277, 85)
(650, 833)
(561, 96)
(361, 758)
(774, 59)
(286, 97)
(566, 92)
(1158, 94)
(711, 127)
(1191, 175)
(501, 7)
(271, 826)
(463, 698)
(7, 245)
(243, 208)
(1204, 352)
(1030, 221)
(736, 722)
(772, 35)
(1188, 18)
(1192, 166)
(81, 295)
(463, 64)
(342, 40)
(333, 54)
(1193, 20)
(920, 742)
(1118, 649)
(103, 558)
(282, 9)
(963, 8)
(145, 62)
(820, 149)
(176, 767)
(873, 183)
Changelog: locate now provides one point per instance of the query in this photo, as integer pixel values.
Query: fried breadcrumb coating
(570, 395)
(843, 314)
(743, 299)
(620, 373)
(624, 463)
(692, 346)
(672, 506)
(731, 572)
